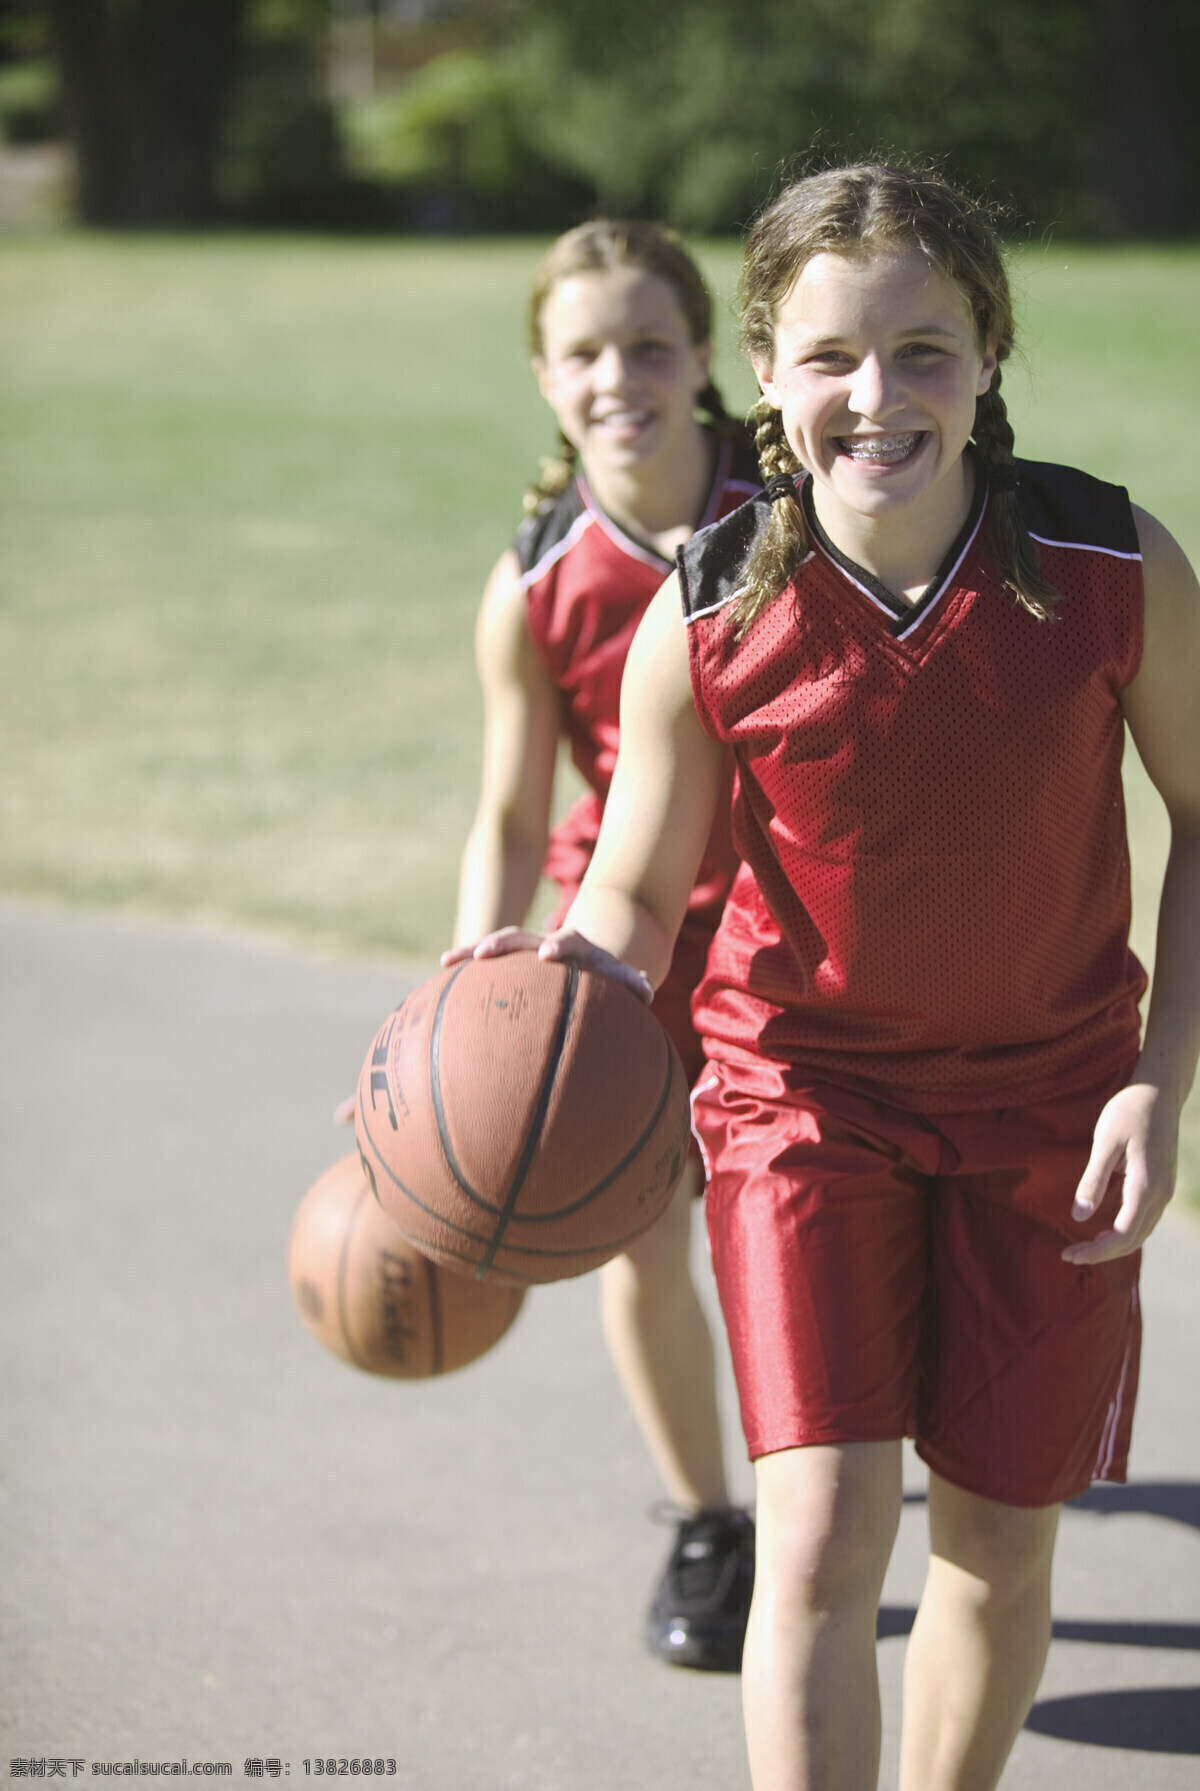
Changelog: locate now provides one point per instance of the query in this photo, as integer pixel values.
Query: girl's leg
(662, 1349)
(661, 1346)
(979, 1642)
(827, 1519)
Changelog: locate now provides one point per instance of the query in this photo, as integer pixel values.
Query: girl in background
(620, 334)
(935, 1141)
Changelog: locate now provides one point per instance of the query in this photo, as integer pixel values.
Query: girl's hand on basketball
(567, 945)
(343, 1113)
(563, 946)
(1135, 1140)
(493, 945)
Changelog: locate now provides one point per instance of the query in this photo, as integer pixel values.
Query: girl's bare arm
(504, 851)
(657, 818)
(1137, 1132)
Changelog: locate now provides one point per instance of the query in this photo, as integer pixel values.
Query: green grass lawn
(251, 489)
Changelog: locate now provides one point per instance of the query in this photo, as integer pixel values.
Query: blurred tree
(185, 111)
(1144, 141)
(451, 140)
(29, 110)
(524, 114)
(694, 107)
(281, 154)
(144, 85)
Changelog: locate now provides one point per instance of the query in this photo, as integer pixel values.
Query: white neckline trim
(923, 610)
(616, 534)
(712, 510)
(927, 609)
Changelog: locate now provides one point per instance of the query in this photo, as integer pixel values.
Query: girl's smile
(876, 370)
(619, 368)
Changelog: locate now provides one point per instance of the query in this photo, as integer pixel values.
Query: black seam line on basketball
(476, 1237)
(469, 1265)
(435, 1088)
(468, 1262)
(366, 1132)
(382, 1166)
(613, 1247)
(565, 1212)
(435, 1317)
(566, 1008)
(343, 1269)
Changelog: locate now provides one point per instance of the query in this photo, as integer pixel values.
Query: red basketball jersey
(934, 900)
(587, 587)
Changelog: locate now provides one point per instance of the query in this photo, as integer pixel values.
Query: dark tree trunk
(145, 84)
(1145, 135)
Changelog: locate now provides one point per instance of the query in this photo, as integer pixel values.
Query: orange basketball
(522, 1121)
(372, 1299)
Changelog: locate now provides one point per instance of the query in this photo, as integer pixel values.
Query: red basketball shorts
(885, 1275)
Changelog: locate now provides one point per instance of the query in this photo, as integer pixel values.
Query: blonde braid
(1015, 553)
(555, 473)
(783, 543)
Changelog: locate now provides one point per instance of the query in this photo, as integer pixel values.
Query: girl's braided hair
(597, 247)
(877, 206)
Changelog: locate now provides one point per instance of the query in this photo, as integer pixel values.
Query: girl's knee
(827, 1520)
(1008, 1550)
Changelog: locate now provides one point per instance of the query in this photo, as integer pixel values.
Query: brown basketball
(522, 1121)
(372, 1299)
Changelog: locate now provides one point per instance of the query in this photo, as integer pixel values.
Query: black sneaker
(698, 1618)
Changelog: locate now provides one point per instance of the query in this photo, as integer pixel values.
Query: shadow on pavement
(1153, 1719)
(897, 1620)
(1177, 1499)
(1162, 1719)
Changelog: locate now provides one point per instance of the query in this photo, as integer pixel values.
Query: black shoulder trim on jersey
(540, 533)
(1061, 504)
(712, 562)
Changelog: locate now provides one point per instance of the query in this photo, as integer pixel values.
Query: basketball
(369, 1297)
(522, 1121)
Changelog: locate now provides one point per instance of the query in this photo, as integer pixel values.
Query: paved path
(221, 1544)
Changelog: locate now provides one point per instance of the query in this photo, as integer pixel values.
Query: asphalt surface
(222, 1545)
